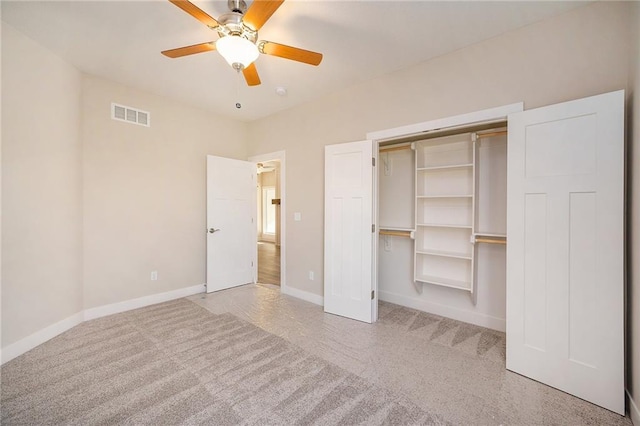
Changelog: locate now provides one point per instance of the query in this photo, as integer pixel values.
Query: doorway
(270, 218)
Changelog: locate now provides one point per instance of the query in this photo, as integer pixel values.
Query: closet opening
(442, 222)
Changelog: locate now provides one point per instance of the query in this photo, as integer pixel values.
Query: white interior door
(565, 252)
(231, 231)
(348, 236)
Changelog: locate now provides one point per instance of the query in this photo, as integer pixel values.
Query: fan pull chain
(238, 104)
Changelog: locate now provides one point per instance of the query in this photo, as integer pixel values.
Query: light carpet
(177, 363)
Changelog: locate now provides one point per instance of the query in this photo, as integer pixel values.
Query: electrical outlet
(154, 275)
(311, 275)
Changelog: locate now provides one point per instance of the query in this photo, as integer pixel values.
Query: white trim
(304, 295)
(281, 156)
(490, 114)
(634, 412)
(39, 337)
(127, 305)
(464, 315)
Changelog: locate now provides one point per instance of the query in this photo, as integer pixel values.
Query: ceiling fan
(238, 31)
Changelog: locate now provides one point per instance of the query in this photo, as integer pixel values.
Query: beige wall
(41, 188)
(581, 53)
(90, 205)
(144, 192)
(633, 259)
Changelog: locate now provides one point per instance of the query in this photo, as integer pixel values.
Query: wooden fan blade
(259, 12)
(196, 12)
(190, 50)
(288, 52)
(251, 75)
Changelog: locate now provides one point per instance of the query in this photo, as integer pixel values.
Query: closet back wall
(577, 54)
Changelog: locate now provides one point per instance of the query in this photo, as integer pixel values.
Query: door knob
(212, 230)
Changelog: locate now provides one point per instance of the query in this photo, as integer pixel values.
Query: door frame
(280, 156)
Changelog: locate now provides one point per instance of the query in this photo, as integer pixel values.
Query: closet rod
(395, 148)
(490, 241)
(490, 134)
(396, 233)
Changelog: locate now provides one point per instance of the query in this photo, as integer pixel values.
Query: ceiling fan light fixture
(237, 50)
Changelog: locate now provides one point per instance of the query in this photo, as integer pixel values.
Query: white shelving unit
(444, 211)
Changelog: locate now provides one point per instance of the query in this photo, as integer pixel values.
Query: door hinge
(373, 228)
(373, 294)
(373, 161)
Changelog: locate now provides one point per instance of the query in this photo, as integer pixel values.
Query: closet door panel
(565, 247)
(348, 237)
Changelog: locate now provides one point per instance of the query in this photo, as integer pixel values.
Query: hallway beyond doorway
(268, 263)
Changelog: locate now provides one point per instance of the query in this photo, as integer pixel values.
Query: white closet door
(565, 247)
(348, 237)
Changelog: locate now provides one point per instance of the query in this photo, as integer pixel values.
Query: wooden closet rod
(396, 233)
(395, 148)
(490, 134)
(490, 241)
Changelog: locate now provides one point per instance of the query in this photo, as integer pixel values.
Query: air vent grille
(130, 115)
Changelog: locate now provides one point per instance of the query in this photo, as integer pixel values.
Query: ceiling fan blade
(189, 50)
(196, 12)
(251, 75)
(259, 12)
(288, 52)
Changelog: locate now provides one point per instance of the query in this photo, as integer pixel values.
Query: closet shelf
(444, 225)
(445, 282)
(490, 235)
(444, 196)
(395, 228)
(441, 253)
(451, 166)
(445, 205)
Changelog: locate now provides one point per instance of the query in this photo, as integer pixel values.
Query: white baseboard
(39, 337)
(22, 346)
(127, 305)
(634, 412)
(463, 315)
(304, 295)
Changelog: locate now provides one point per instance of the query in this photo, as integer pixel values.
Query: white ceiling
(360, 40)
